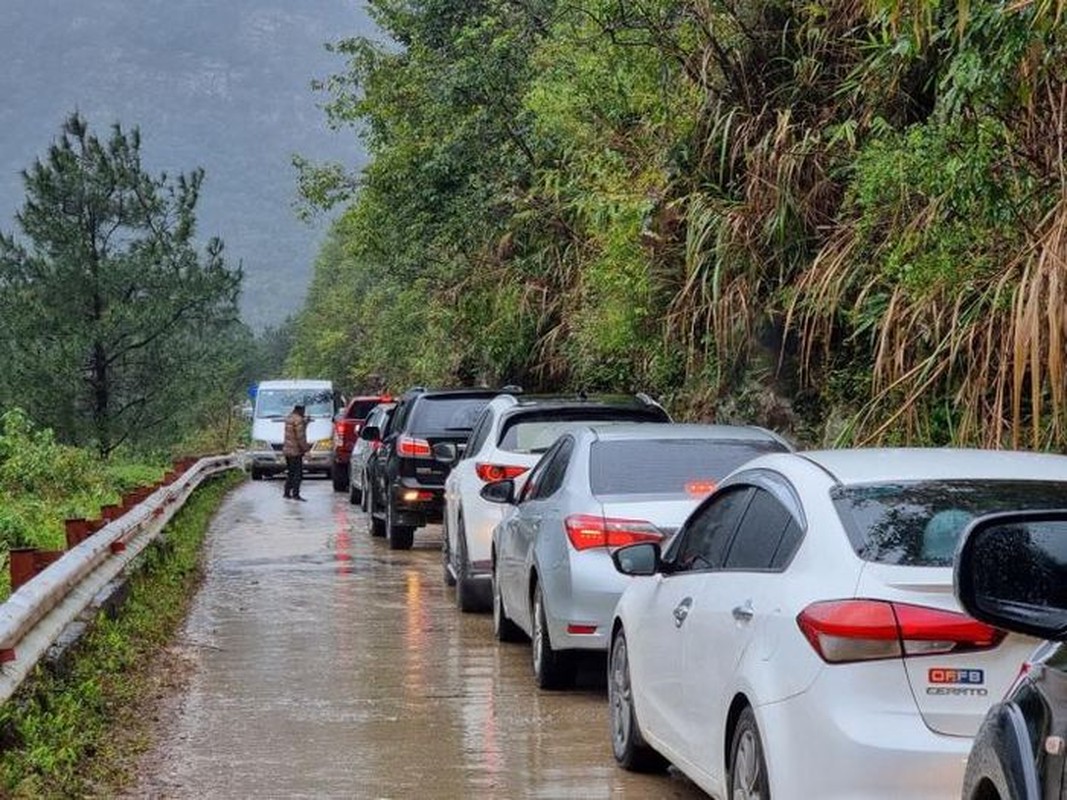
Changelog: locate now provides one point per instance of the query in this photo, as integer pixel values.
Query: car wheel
(469, 597)
(503, 628)
(748, 765)
(553, 669)
(365, 495)
(339, 475)
(375, 525)
(399, 537)
(627, 743)
(446, 567)
(355, 496)
(256, 474)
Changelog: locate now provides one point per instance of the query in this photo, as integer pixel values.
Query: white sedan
(800, 639)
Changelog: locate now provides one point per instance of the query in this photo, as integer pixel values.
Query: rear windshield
(447, 414)
(919, 523)
(535, 432)
(361, 408)
(667, 466)
(279, 402)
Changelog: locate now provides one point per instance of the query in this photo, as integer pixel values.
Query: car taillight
(700, 488)
(415, 448)
(491, 473)
(842, 631)
(588, 530)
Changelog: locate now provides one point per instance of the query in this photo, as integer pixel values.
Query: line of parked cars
(776, 623)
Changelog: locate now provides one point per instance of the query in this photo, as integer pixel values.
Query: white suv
(507, 440)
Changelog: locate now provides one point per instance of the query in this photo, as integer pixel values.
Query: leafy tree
(858, 205)
(112, 316)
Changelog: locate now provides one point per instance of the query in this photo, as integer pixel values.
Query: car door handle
(681, 611)
(744, 613)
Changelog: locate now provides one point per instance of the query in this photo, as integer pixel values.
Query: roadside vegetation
(846, 219)
(78, 729)
(43, 482)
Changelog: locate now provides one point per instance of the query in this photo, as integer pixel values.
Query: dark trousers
(294, 471)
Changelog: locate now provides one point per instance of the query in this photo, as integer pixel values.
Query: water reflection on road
(327, 665)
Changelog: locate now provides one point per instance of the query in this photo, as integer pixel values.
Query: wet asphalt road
(326, 665)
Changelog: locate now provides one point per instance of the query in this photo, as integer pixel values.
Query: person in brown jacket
(293, 448)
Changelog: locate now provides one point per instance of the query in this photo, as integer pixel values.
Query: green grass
(77, 732)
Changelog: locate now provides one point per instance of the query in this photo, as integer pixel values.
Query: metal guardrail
(36, 614)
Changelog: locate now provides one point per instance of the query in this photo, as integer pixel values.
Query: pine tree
(108, 310)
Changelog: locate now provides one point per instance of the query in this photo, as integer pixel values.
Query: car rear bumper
(585, 594)
(839, 740)
(417, 504)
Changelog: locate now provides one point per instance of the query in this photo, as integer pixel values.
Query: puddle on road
(327, 665)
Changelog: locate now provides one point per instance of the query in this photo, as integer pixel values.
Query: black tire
(256, 474)
(446, 567)
(470, 595)
(365, 495)
(748, 765)
(627, 744)
(339, 476)
(375, 525)
(355, 496)
(503, 628)
(399, 537)
(553, 669)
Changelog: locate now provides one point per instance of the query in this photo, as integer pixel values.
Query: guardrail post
(112, 512)
(77, 531)
(25, 562)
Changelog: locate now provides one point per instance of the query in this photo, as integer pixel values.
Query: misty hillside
(222, 85)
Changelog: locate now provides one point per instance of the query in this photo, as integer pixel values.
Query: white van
(274, 401)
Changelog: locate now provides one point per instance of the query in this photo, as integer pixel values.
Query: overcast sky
(218, 84)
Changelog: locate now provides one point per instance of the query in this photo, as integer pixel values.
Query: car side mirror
(643, 558)
(445, 452)
(371, 433)
(1011, 572)
(502, 492)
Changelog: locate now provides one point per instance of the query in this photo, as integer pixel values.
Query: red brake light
(415, 448)
(841, 631)
(589, 530)
(700, 488)
(491, 473)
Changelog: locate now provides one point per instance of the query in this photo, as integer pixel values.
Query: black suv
(407, 491)
(1011, 572)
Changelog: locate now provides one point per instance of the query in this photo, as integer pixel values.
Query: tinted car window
(537, 474)
(667, 466)
(451, 414)
(552, 477)
(361, 408)
(535, 431)
(919, 523)
(788, 545)
(400, 415)
(707, 534)
(759, 534)
(479, 434)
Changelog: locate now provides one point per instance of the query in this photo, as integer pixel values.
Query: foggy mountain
(218, 84)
